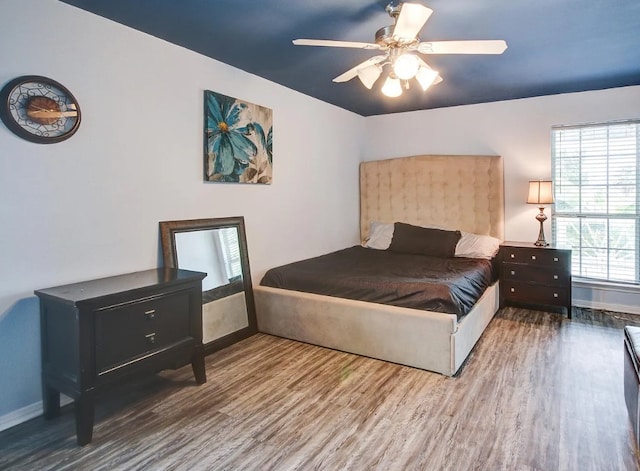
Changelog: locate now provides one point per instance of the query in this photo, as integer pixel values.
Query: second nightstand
(539, 276)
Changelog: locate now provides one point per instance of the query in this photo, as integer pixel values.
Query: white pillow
(380, 235)
(477, 246)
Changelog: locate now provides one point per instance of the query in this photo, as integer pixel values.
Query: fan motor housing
(384, 37)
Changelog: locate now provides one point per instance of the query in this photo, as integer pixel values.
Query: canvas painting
(238, 140)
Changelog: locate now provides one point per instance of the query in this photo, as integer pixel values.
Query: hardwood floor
(539, 392)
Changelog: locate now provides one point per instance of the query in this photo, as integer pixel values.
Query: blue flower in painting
(227, 136)
(269, 145)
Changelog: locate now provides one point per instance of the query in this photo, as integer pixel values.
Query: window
(231, 252)
(595, 174)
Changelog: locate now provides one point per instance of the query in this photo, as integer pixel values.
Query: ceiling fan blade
(351, 73)
(463, 47)
(331, 43)
(411, 20)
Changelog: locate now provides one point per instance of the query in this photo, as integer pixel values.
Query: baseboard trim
(607, 306)
(27, 413)
(21, 415)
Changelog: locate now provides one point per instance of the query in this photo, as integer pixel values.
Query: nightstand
(538, 276)
(100, 331)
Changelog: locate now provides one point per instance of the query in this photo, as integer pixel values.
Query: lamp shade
(392, 87)
(540, 192)
(406, 66)
(426, 76)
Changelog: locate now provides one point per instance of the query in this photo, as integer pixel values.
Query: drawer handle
(513, 255)
(513, 290)
(555, 259)
(513, 272)
(555, 277)
(151, 314)
(151, 338)
(533, 257)
(555, 295)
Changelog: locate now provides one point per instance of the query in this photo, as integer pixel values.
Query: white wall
(519, 131)
(89, 207)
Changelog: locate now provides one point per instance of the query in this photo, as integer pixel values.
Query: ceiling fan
(400, 43)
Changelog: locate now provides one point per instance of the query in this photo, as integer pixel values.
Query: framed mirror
(217, 247)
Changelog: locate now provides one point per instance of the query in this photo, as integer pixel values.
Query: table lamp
(540, 193)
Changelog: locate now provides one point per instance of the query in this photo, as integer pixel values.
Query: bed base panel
(473, 325)
(427, 340)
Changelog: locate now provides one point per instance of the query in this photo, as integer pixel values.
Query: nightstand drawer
(534, 256)
(131, 330)
(549, 275)
(535, 294)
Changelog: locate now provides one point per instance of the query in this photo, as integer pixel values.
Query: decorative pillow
(424, 240)
(380, 235)
(477, 246)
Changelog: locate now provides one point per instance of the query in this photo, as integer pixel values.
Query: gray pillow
(424, 240)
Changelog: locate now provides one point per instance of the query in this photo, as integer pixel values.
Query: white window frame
(562, 216)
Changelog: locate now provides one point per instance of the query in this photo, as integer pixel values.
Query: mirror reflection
(215, 252)
(218, 248)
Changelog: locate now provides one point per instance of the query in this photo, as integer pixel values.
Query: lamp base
(541, 242)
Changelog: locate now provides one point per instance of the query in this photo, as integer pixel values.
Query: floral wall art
(238, 140)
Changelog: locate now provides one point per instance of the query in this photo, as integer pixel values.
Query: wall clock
(39, 109)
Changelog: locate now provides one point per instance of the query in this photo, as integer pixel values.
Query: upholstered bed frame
(455, 192)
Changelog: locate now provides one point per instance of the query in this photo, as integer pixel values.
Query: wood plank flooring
(539, 392)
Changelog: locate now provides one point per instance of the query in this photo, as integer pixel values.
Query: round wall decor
(39, 109)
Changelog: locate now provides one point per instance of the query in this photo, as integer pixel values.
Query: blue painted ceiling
(555, 46)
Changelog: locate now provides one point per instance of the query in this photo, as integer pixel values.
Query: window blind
(596, 214)
(231, 252)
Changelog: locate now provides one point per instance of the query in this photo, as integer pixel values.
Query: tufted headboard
(463, 192)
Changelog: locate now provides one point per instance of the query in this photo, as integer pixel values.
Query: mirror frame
(168, 230)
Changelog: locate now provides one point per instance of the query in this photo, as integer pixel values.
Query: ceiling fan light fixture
(401, 48)
(406, 66)
(426, 76)
(369, 75)
(392, 87)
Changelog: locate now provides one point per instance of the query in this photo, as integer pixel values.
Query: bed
(456, 192)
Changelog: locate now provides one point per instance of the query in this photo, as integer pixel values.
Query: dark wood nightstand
(99, 331)
(538, 276)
